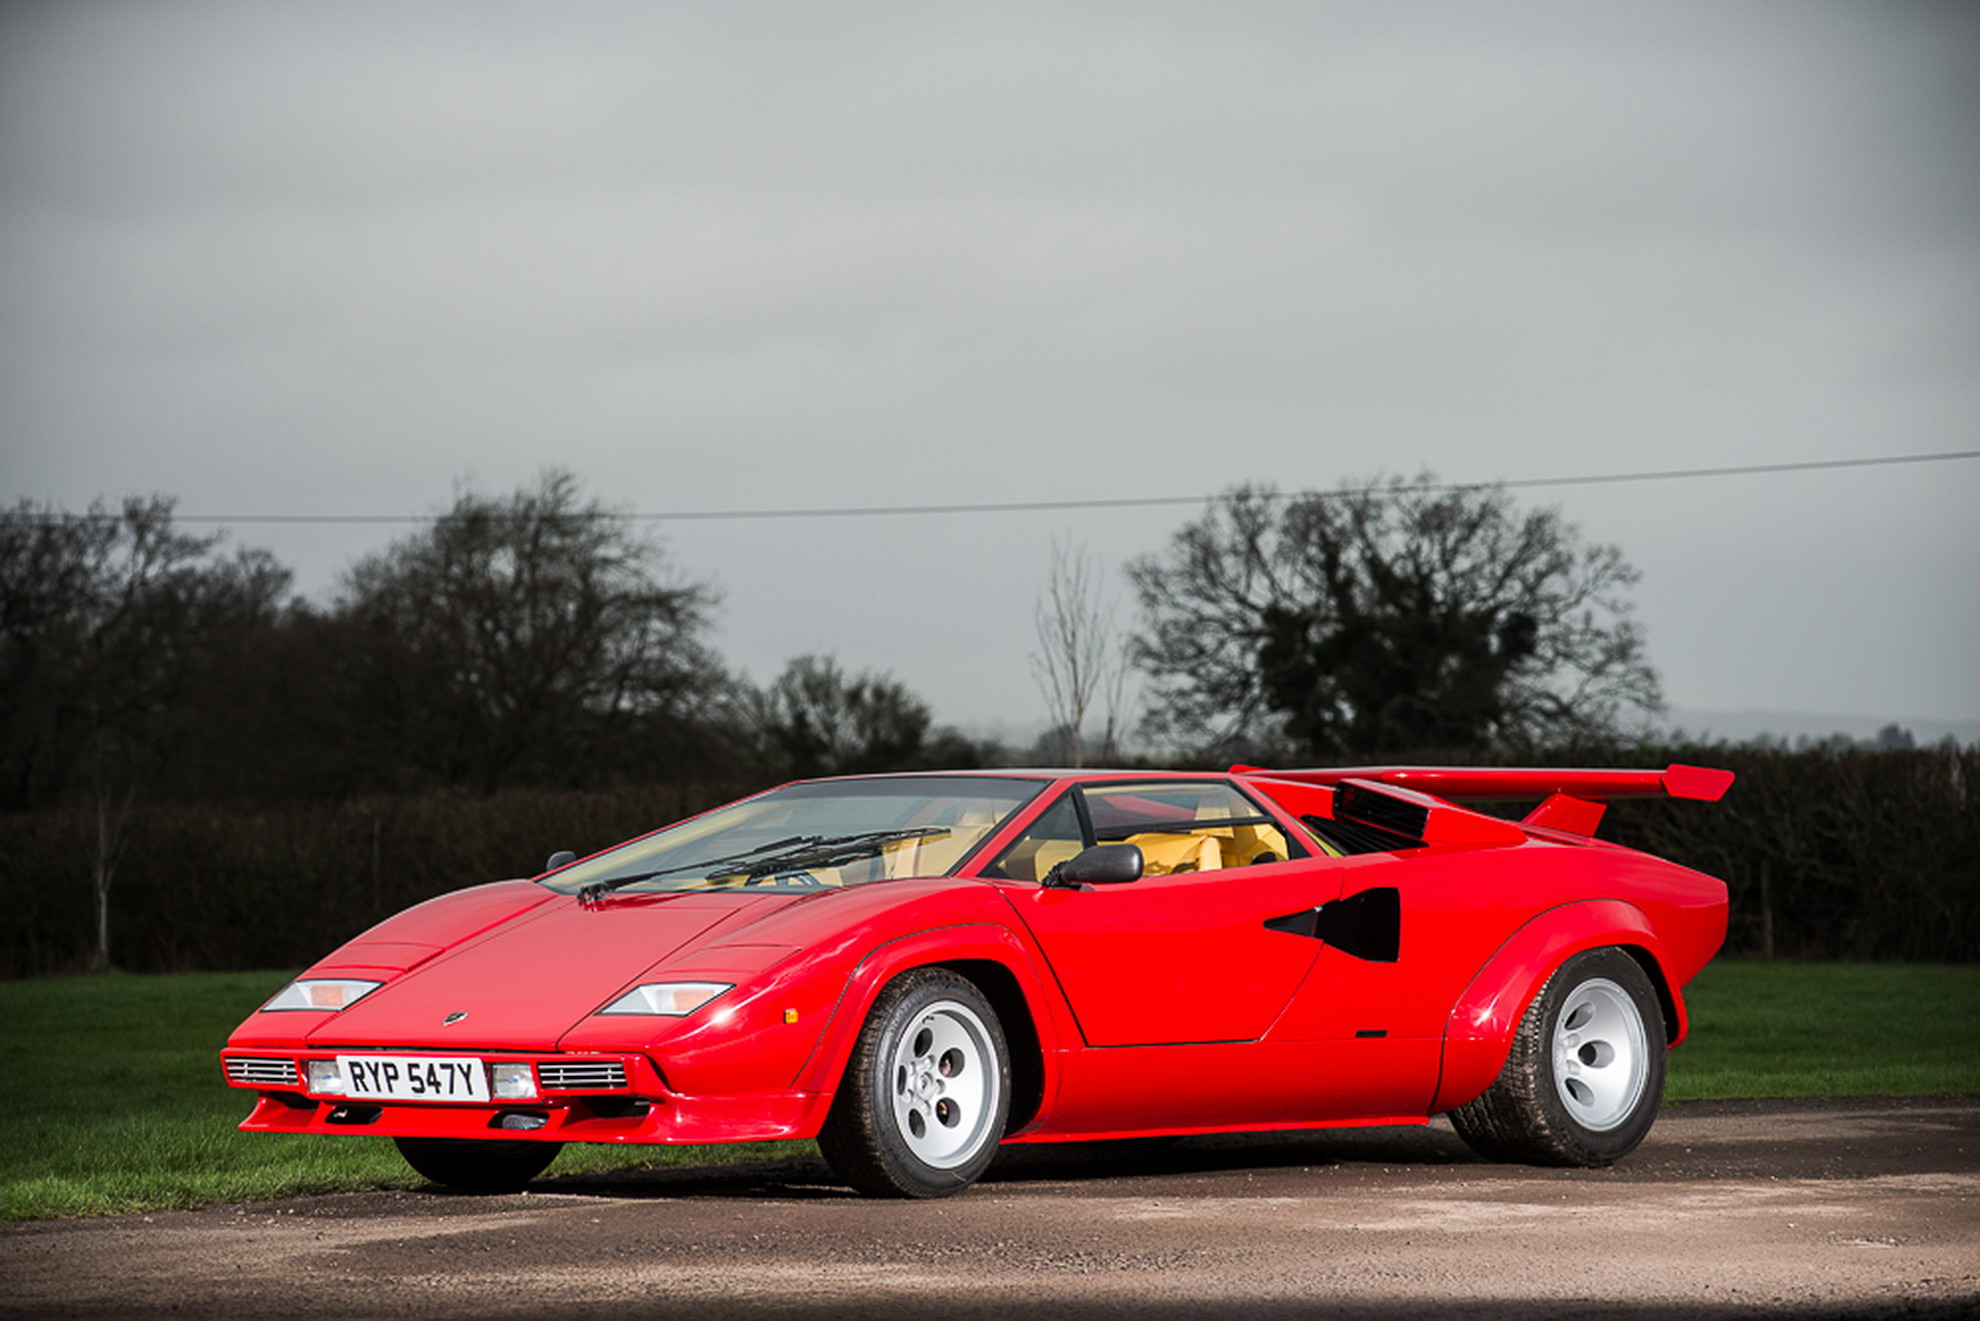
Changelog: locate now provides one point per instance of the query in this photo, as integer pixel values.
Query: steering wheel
(804, 880)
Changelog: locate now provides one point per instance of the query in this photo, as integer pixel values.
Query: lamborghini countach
(915, 969)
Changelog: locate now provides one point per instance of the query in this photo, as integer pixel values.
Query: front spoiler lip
(584, 1114)
(642, 1074)
(666, 1120)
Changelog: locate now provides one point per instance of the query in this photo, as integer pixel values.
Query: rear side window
(1181, 826)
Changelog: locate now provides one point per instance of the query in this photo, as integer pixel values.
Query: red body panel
(1163, 1005)
(500, 981)
(1178, 959)
(1235, 1087)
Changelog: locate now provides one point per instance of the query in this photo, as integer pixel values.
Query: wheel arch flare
(1479, 1034)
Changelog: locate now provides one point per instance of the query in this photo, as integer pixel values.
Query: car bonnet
(526, 983)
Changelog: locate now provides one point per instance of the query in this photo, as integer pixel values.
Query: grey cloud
(333, 257)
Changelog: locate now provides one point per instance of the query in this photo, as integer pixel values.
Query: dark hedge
(1858, 854)
(1853, 854)
(218, 888)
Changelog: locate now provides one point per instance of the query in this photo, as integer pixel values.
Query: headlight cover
(321, 993)
(326, 1078)
(670, 999)
(512, 1082)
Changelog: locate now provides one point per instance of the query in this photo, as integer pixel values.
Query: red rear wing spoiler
(1480, 783)
(1573, 799)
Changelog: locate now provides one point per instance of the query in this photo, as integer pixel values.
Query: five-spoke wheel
(942, 1087)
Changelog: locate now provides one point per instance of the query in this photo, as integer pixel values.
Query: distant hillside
(1745, 726)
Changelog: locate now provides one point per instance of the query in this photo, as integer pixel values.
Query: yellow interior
(1032, 858)
(1167, 853)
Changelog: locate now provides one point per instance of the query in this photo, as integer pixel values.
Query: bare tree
(112, 626)
(1079, 665)
(819, 720)
(107, 621)
(520, 639)
(1388, 618)
(111, 798)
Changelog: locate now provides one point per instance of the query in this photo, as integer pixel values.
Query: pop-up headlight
(671, 999)
(321, 993)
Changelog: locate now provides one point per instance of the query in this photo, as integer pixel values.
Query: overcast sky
(338, 258)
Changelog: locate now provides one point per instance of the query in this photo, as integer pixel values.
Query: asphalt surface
(1730, 1209)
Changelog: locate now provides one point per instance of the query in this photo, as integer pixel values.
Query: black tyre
(478, 1166)
(1586, 1073)
(926, 1094)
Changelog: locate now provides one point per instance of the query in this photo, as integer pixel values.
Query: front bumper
(598, 1108)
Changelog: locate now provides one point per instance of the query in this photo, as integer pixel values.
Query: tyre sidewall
(478, 1165)
(901, 1005)
(1589, 1146)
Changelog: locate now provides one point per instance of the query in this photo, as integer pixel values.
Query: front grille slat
(591, 1075)
(263, 1072)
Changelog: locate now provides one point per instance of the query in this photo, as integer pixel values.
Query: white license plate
(414, 1077)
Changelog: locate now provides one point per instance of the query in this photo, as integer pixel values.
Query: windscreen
(817, 835)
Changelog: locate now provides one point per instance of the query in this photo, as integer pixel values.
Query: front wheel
(1585, 1075)
(475, 1165)
(926, 1094)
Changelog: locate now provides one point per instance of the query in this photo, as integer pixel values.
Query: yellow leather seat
(1164, 853)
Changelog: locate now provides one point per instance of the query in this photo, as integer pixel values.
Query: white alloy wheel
(1601, 1055)
(1584, 1072)
(944, 1088)
(924, 1099)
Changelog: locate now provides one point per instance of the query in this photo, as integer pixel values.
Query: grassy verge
(115, 1101)
(1796, 1029)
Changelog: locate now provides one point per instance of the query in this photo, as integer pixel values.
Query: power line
(1741, 471)
(1124, 502)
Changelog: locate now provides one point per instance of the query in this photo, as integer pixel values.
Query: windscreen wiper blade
(835, 849)
(707, 867)
(799, 852)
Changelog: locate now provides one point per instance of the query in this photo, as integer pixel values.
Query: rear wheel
(476, 1165)
(1585, 1075)
(926, 1094)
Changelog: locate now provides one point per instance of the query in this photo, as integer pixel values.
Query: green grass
(114, 1100)
(1794, 1029)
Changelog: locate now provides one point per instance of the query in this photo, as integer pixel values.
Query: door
(1182, 955)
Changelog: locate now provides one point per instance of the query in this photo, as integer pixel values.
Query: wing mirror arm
(1103, 864)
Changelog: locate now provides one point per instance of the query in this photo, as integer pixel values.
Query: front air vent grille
(262, 1073)
(588, 1076)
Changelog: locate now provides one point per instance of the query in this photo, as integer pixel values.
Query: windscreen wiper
(800, 853)
(597, 890)
(836, 849)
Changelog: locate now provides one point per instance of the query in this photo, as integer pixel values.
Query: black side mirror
(561, 858)
(1103, 864)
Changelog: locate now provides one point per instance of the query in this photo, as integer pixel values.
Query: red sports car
(916, 968)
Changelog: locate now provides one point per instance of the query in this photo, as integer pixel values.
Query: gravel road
(1835, 1209)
